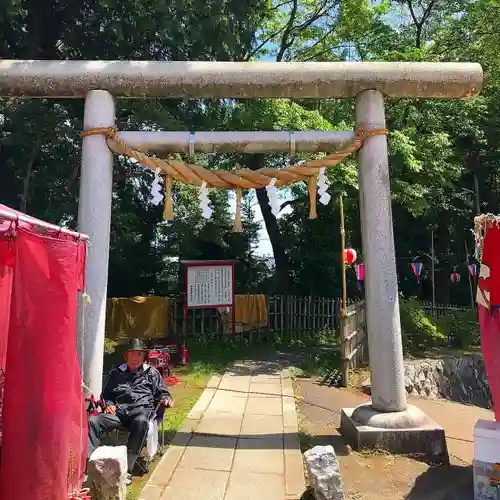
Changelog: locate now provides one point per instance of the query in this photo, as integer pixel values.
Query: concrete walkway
(240, 441)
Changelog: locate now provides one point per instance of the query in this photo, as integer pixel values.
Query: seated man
(130, 395)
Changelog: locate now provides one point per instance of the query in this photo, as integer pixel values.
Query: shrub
(462, 328)
(420, 333)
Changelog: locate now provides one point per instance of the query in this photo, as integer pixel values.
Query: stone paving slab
(259, 455)
(209, 452)
(228, 403)
(240, 441)
(264, 406)
(236, 383)
(251, 486)
(220, 424)
(261, 425)
(196, 484)
(258, 389)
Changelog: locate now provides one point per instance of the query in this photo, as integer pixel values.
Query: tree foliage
(444, 155)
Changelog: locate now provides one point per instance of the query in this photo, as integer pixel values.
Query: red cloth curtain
(6, 275)
(44, 421)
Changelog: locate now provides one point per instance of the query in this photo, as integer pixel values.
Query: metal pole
(201, 79)
(343, 307)
(242, 142)
(17, 216)
(94, 219)
(471, 287)
(343, 303)
(476, 189)
(433, 272)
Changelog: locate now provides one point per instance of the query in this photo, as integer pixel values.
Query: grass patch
(321, 362)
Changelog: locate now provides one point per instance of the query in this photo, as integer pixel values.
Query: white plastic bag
(152, 440)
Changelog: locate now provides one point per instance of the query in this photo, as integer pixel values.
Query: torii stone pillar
(94, 218)
(381, 282)
(387, 421)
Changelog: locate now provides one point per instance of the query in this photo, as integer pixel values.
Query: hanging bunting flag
(360, 271)
(473, 269)
(417, 269)
(360, 275)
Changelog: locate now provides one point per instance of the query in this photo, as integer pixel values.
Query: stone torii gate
(99, 82)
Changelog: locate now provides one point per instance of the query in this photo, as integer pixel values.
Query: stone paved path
(240, 441)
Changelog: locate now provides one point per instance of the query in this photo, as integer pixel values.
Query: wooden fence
(288, 317)
(440, 310)
(354, 340)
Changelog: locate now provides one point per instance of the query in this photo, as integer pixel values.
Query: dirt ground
(382, 476)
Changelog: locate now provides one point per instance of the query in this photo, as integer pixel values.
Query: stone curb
(295, 484)
(205, 399)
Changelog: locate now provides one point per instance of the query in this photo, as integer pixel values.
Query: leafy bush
(110, 346)
(420, 333)
(462, 328)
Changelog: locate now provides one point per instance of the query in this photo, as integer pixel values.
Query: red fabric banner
(489, 324)
(6, 275)
(488, 299)
(44, 419)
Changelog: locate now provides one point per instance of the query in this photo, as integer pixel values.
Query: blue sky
(264, 248)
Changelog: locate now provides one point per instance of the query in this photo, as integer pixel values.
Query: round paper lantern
(350, 256)
(455, 277)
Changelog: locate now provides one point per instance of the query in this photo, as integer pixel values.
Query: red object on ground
(160, 359)
(171, 380)
(44, 421)
(350, 256)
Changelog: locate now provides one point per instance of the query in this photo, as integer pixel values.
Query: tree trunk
(283, 281)
(23, 205)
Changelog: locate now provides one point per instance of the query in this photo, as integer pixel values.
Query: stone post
(381, 285)
(94, 219)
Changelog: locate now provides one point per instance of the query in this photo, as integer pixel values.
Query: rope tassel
(168, 208)
(313, 181)
(237, 227)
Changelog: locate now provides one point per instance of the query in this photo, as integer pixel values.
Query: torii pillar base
(408, 432)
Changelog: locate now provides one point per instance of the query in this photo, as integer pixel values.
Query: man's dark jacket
(136, 392)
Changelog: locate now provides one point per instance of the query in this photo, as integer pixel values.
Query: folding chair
(151, 442)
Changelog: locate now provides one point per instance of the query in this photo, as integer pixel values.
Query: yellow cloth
(250, 313)
(137, 317)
